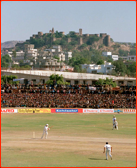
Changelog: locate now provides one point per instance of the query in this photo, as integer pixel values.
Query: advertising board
(129, 111)
(40, 110)
(106, 110)
(24, 110)
(67, 110)
(118, 110)
(9, 110)
(90, 110)
(57, 110)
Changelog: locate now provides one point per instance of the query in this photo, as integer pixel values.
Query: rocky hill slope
(10, 44)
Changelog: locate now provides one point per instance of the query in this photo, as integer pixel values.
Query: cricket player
(45, 131)
(114, 119)
(108, 150)
(116, 125)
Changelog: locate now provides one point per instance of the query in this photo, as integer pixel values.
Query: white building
(57, 51)
(114, 57)
(61, 56)
(106, 68)
(57, 48)
(68, 55)
(106, 53)
(19, 56)
(50, 50)
(30, 51)
(131, 58)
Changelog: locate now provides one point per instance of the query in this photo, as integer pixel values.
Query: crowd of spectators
(72, 96)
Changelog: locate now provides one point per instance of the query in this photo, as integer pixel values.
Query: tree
(106, 81)
(76, 68)
(72, 34)
(100, 62)
(14, 54)
(56, 79)
(58, 34)
(9, 79)
(109, 59)
(25, 56)
(5, 61)
(83, 46)
(131, 70)
(73, 43)
(120, 67)
(56, 57)
(91, 40)
(132, 52)
(123, 52)
(132, 67)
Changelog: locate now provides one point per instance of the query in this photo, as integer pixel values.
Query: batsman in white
(45, 131)
(108, 150)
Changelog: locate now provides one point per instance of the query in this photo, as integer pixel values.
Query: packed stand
(72, 96)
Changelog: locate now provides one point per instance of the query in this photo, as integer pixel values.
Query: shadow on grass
(96, 159)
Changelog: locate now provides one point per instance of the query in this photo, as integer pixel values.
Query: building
(106, 68)
(47, 61)
(19, 56)
(114, 57)
(67, 68)
(129, 58)
(41, 76)
(57, 51)
(68, 55)
(30, 52)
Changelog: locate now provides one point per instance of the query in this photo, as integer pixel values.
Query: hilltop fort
(81, 38)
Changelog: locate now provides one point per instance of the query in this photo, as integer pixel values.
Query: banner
(67, 110)
(106, 111)
(90, 110)
(118, 111)
(42, 110)
(9, 110)
(92, 88)
(129, 111)
(25, 110)
(18, 79)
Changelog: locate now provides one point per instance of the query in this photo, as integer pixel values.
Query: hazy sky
(22, 19)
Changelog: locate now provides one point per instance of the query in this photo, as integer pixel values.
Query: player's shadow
(95, 159)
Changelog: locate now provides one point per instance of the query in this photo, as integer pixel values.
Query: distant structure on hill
(82, 38)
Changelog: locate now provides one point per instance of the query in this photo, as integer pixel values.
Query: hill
(10, 44)
(78, 41)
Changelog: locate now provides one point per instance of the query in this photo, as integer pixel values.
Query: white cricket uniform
(116, 125)
(108, 150)
(114, 119)
(45, 132)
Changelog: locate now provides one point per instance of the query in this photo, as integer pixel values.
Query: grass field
(75, 140)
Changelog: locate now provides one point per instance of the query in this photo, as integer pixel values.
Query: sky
(21, 19)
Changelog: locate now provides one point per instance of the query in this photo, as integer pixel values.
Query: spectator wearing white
(108, 150)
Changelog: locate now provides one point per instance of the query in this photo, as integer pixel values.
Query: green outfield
(75, 140)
